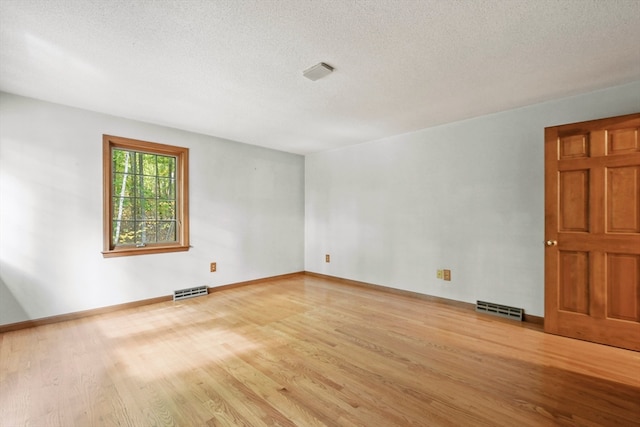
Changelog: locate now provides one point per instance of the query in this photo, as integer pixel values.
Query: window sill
(143, 251)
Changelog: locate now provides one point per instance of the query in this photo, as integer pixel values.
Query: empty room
(319, 213)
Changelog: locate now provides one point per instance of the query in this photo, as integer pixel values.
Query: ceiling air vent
(189, 293)
(500, 310)
(318, 71)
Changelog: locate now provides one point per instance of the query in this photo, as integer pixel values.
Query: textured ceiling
(233, 68)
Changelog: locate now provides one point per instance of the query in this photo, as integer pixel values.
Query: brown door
(592, 226)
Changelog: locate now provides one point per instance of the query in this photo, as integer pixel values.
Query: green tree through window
(144, 198)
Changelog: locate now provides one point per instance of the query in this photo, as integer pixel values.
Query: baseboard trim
(534, 321)
(80, 314)
(390, 290)
(254, 282)
(103, 310)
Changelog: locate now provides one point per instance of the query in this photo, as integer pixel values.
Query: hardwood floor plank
(310, 351)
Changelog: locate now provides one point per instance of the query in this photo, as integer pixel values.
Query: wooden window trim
(182, 196)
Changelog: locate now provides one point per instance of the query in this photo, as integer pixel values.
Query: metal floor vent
(189, 293)
(500, 310)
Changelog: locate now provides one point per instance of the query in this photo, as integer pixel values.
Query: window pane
(166, 210)
(166, 231)
(124, 232)
(129, 181)
(166, 188)
(166, 166)
(121, 160)
(149, 186)
(122, 208)
(149, 164)
(140, 231)
(134, 167)
(146, 209)
(147, 232)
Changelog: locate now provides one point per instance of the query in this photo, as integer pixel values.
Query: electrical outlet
(213, 267)
(447, 275)
(327, 258)
(439, 274)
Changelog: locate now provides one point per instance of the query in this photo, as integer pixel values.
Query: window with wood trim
(145, 197)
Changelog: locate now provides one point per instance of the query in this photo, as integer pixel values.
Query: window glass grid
(144, 198)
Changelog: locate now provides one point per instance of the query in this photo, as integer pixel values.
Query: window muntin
(145, 197)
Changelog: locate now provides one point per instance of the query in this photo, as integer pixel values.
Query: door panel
(574, 146)
(623, 199)
(623, 141)
(574, 281)
(623, 276)
(592, 226)
(574, 200)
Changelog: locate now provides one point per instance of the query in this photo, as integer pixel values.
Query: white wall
(468, 196)
(246, 205)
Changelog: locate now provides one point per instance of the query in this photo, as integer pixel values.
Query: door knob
(551, 242)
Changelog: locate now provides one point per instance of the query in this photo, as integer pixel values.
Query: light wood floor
(306, 351)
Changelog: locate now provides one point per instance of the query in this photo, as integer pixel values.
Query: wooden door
(592, 226)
